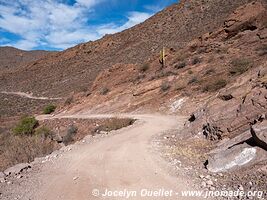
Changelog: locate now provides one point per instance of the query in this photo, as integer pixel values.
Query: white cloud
(53, 24)
(87, 3)
(134, 18)
(24, 44)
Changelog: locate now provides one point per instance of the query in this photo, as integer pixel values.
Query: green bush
(26, 126)
(49, 109)
(239, 66)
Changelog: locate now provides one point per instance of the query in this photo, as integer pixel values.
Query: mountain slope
(76, 68)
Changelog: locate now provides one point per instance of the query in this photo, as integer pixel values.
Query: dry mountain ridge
(76, 68)
(12, 58)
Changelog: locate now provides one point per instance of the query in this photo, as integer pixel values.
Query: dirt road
(123, 162)
(29, 96)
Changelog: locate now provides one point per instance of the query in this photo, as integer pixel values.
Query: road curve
(29, 96)
(118, 162)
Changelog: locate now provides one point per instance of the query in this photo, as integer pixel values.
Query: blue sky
(60, 24)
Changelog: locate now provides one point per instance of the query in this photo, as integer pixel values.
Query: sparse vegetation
(180, 65)
(209, 72)
(196, 60)
(43, 132)
(114, 124)
(190, 71)
(239, 66)
(165, 86)
(49, 109)
(193, 80)
(19, 149)
(104, 91)
(144, 67)
(26, 126)
(215, 85)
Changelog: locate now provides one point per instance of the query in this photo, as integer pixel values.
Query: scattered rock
(2, 180)
(226, 97)
(212, 188)
(2, 175)
(75, 178)
(192, 118)
(211, 132)
(17, 169)
(209, 182)
(19, 177)
(203, 184)
(9, 183)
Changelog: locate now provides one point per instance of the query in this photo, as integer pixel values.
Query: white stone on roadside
(220, 174)
(209, 182)
(203, 184)
(208, 177)
(212, 188)
(240, 187)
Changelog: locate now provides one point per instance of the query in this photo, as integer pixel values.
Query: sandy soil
(124, 160)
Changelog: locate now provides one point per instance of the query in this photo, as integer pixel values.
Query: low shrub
(21, 149)
(144, 67)
(43, 132)
(180, 65)
(104, 91)
(26, 126)
(239, 66)
(190, 71)
(196, 60)
(193, 80)
(165, 86)
(114, 124)
(49, 109)
(215, 85)
(209, 72)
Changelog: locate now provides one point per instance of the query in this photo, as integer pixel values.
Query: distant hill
(12, 58)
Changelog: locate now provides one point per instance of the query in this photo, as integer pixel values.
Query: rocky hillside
(75, 69)
(219, 78)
